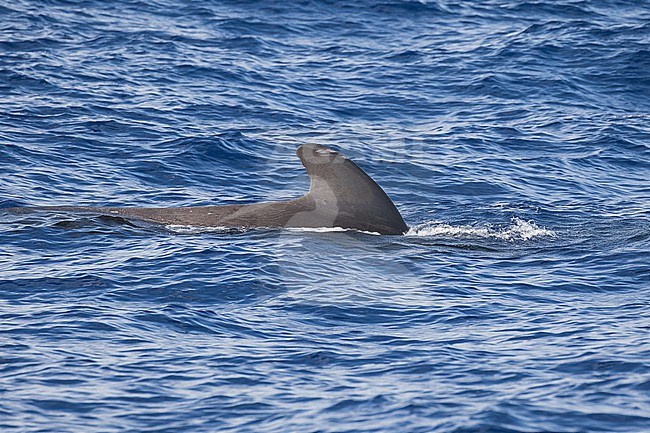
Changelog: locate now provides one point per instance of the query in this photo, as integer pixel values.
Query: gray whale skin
(341, 195)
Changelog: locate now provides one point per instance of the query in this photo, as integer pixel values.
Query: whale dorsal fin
(344, 192)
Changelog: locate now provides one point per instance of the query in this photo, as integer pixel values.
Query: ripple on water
(513, 138)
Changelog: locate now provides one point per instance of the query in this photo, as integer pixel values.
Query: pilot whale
(341, 195)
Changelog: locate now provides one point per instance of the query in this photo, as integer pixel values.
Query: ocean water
(514, 136)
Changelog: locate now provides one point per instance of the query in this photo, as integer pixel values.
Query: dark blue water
(514, 136)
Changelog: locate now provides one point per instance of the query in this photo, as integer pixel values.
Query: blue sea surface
(513, 135)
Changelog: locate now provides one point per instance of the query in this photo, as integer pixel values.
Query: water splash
(517, 230)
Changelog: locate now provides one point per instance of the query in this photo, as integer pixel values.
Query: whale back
(343, 195)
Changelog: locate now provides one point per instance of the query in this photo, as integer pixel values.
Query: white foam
(185, 230)
(316, 229)
(517, 230)
(182, 229)
(327, 230)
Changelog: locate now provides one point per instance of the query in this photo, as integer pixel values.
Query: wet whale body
(341, 195)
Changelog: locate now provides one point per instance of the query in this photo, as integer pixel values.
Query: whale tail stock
(341, 195)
